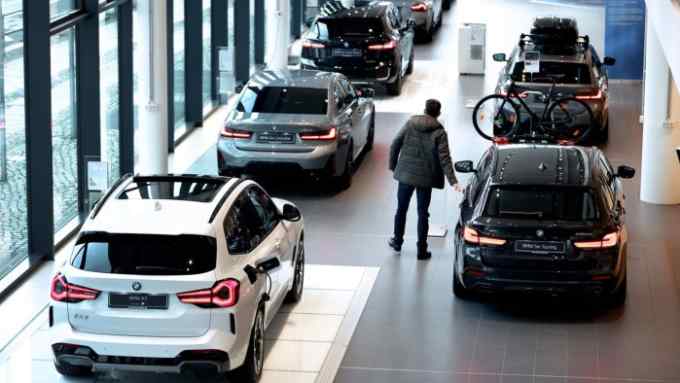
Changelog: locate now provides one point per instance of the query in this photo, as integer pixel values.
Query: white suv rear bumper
(144, 353)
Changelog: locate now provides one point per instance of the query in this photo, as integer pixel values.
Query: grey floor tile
(519, 359)
(346, 375)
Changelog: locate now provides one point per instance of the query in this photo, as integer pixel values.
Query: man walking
(420, 158)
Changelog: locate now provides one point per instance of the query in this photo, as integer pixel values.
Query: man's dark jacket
(420, 154)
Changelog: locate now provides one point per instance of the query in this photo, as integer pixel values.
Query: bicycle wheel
(495, 116)
(570, 120)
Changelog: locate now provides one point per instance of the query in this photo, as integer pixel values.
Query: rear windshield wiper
(158, 269)
(539, 214)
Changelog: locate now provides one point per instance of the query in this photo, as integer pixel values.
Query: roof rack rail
(226, 195)
(553, 43)
(98, 206)
(332, 7)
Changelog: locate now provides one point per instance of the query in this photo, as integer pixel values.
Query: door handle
(277, 245)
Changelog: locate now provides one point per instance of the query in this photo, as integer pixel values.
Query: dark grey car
(299, 121)
(574, 66)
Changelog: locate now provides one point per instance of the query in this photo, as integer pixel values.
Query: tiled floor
(299, 341)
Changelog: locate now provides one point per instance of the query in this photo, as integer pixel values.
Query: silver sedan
(299, 121)
(428, 16)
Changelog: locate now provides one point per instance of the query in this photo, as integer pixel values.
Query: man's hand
(458, 188)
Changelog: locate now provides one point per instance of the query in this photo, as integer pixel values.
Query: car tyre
(371, 134)
(447, 4)
(252, 366)
(394, 89)
(344, 181)
(409, 69)
(618, 297)
(295, 293)
(460, 291)
(69, 370)
(604, 133)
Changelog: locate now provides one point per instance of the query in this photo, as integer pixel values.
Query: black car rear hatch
(534, 245)
(537, 226)
(343, 42)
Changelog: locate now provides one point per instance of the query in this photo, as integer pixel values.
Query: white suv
(176, 273)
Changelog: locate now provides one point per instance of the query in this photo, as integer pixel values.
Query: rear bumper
(235, 156)
(138, 353)
(364, 74)
(493, 282)
(602, 278)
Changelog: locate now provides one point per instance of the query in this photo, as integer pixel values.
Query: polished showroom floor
(412, 329)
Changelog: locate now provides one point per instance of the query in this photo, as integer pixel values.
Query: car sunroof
(183, 189)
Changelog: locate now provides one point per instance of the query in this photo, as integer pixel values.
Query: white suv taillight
(62, 291)
(222, 295)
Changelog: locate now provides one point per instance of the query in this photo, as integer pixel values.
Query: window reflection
(64, 128)
(109, 90)
(179, 67)
(13, 218)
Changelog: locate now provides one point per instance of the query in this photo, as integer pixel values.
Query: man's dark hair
(433, 108)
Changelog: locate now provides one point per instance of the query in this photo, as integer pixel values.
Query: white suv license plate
(138, 301)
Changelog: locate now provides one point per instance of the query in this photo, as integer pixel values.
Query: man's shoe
(423, 255)
(394, 245)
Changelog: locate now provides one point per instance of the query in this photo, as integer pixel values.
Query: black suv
(368, 44)
(564, 58)
(542, 218)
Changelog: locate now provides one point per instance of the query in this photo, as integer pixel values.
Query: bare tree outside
(3, 134)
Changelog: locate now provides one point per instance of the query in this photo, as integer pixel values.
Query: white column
(660, 173)
(153, 133)
(279, 29)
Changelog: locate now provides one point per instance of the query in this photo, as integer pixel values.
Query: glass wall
(253, 65)
(109, 92)
(64, 128)
(179, 67)
(13, 218)
(61, 8)
(207, 57)
(64, 121)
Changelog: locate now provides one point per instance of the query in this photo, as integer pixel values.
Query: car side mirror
(291, 213)
(366, 92)
(609, 61)
(500, 57)
(349, 99)
(625, 172)
(465, 167)
(239, 88)
(309, 21)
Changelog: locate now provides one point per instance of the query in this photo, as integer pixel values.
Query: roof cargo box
(556, 30)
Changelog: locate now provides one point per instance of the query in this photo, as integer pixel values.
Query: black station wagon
(542, 218)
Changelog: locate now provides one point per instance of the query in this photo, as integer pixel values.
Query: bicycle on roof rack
(508, 118)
